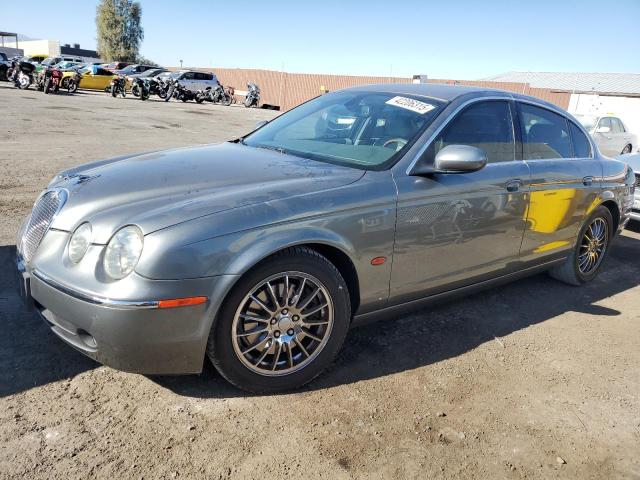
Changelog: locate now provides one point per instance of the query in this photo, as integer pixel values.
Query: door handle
(587, 181)
(513, 185)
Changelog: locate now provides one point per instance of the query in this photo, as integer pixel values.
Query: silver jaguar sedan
(260, 253)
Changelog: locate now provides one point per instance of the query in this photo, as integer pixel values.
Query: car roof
(433, 90)
(448, 93)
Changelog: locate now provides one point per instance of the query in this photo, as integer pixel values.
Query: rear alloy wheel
(592, 247)
(283, 325)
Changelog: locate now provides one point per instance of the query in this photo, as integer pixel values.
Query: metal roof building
(620, 84)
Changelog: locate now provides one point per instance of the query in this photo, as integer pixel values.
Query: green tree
(120, 32)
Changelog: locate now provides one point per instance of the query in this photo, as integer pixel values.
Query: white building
(615, 94)
(53, 48)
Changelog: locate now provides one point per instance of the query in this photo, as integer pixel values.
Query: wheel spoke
(253, 318)
(255, 345)
(316, 309)
(308, 300)
(273, 296)
(289, 355)
(298, 294)
(276, 356)
(311, 335)
(264, 354)
(248, 333)
(262, 305)
(299, 344)
(287, 287)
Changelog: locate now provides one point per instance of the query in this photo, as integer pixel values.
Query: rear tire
(571, 270)
(283, 362)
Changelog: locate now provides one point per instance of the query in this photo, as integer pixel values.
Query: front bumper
(133, 336)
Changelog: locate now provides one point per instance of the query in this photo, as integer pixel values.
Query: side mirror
(603, 129)
(260, 124)
(454, 159)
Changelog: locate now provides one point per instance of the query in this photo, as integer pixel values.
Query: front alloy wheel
(283, 324)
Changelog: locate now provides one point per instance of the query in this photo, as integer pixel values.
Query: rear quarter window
(581, 145)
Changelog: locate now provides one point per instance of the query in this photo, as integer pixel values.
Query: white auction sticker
(410, 104)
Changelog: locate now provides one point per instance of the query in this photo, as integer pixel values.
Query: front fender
(357, 219)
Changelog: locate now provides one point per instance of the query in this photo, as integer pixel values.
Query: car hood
(160, 189)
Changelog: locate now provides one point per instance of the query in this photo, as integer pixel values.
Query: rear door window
(616, 127)
(545, 134)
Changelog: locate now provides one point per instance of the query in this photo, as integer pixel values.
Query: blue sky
(456, 39)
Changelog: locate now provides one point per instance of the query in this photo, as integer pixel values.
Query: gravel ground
(535, 379)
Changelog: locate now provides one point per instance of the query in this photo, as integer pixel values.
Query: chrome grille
(42, 214)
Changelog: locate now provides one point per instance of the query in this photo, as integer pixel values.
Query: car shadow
(31, 355)
(450, 329)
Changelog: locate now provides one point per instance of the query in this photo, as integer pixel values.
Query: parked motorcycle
(220, 95)
(140, 88)
(118, 83)
(179, 91)
(73, 82)
(253, 95)
(52, 79)
(170, 88)
(23, 74)
(162, 87)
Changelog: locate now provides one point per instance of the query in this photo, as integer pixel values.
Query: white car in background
(610, 134)
(194, 81)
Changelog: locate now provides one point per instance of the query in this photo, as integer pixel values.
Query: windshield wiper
(269, 147)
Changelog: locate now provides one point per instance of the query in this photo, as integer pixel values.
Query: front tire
(283, 324)
(591, 249)
(114, 92)
(169, 94)
(47, 86)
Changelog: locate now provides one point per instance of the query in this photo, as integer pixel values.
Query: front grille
(637, 184)
(41, 216)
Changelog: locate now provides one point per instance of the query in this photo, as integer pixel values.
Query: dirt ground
(531, 380)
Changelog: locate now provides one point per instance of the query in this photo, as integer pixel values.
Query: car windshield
(152, 73)
(364, 130)
(587, 121)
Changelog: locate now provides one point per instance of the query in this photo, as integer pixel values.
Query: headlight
(21, 233)
(123, 252)
(79, 242)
